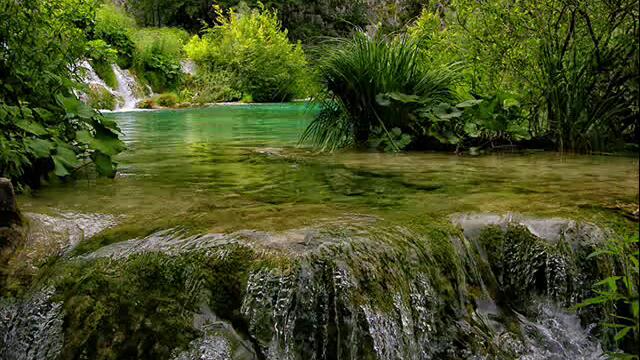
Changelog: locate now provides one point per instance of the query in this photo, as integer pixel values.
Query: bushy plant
(157, 57)
(208, 86)
(375, 85)
(166, 99)
(116, 28)
(44, 127)
(252, 48)
(146, 104)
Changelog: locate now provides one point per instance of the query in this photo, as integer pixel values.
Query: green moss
(101, 98)
(143, 306)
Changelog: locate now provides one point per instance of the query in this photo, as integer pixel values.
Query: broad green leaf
(403, 98)
(67, 157)
(75, 107)
(84, 136)
(447, 113)
(471, 129)
(107, 143)
(59, 168)
(40, 147)
(31, 127)
(469, 103)
(104, 165)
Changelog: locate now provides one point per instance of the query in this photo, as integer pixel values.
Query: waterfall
(350, 289)
(128, 89)
(127, 93)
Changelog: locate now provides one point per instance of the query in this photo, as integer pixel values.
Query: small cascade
(361, 288)
(128, 89)
(127, 94)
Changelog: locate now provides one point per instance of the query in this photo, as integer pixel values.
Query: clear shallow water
(227, 168)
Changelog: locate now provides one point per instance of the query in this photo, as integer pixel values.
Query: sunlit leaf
(622, 333)
(40, 147)
(104, 164)
(31, 127)
(469, 103)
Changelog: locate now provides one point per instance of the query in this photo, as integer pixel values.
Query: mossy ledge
(356, 289)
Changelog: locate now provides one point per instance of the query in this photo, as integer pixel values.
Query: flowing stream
(221, 238)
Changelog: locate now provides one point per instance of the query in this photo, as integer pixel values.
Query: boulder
(10, 219)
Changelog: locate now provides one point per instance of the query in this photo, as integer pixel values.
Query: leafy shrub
(158, 55)
(44, 128)
(147, 104)
(116, 28)
(208, 86)
(379, 87)
(251, 47)
(167, 99)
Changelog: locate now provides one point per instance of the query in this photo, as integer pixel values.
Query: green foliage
(102, 56)
(618, 294)
(377, 86)
(158, 55)
(209, 86)
(147, 104)
(571, 65)
(44, 127)
(307, 20)
(100, 98)
(251, 47)
(116, 28)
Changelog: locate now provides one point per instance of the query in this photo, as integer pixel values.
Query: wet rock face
(31, 329)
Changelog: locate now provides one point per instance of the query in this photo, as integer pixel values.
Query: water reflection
(233, 167)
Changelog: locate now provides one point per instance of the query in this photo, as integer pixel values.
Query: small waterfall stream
(128, 89)
(355, 290)
(127, 93)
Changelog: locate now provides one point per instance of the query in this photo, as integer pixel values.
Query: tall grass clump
(379, 92)
(158, 55)
(588, 95)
